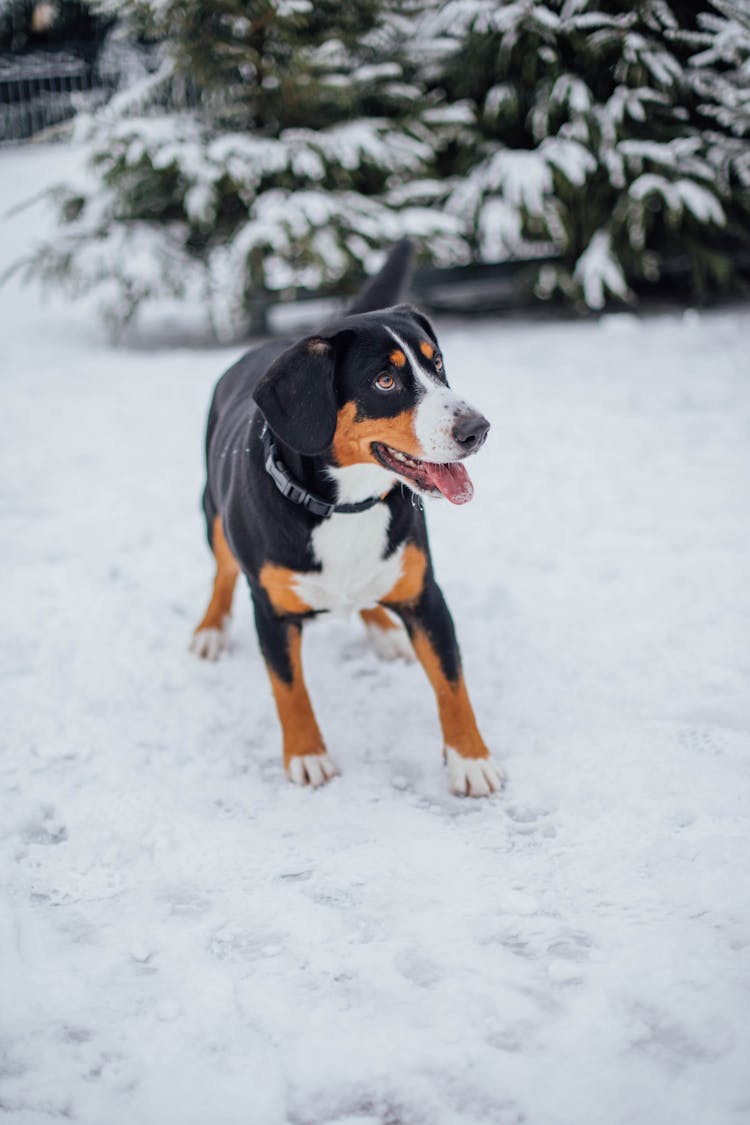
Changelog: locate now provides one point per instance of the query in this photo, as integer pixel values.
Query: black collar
(294, 491)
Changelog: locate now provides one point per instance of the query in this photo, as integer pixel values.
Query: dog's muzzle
(470, 431)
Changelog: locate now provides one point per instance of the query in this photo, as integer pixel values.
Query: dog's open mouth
(449, 479)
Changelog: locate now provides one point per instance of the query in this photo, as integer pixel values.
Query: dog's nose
(470, 430)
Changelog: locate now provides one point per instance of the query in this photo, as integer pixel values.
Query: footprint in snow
(528, 819)
(45, 828)
(418, 969)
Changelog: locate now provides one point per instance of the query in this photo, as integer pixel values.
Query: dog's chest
(349, 549)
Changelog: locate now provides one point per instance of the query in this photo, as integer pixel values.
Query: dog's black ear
(421, 320)
(297, 396)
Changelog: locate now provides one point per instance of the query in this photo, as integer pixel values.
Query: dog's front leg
(472, 770)
(305, 758)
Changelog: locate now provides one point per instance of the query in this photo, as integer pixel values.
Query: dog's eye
(438, 361)
(385, 382)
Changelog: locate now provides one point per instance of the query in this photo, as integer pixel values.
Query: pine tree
(282, 143)
(720, 73)
(588, 141)
(266, 152)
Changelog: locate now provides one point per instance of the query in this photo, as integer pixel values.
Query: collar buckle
(291, 490)
(288, 487)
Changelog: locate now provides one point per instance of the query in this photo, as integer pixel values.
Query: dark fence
(43, 89)
(481, 287)
(471, 290)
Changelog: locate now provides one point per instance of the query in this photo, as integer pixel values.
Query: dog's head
(373, 392)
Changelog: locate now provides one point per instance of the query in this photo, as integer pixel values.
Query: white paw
(311, 769)
(391, 644)
(473, 777)
(210, 643)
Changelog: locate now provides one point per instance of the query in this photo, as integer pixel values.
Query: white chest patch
(353, 575)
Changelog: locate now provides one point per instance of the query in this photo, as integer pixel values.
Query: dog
(318, 453)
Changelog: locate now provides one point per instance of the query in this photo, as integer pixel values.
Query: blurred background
(242, 154)
(185, 937)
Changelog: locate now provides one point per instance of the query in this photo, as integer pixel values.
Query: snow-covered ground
(187, 939)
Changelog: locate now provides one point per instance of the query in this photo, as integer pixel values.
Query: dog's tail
(385, 288)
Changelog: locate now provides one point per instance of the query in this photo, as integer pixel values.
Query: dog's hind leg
(210, 637)
(388, 636)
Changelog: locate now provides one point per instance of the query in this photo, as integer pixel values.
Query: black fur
(297, 389)
(385, 288)
(297, 397)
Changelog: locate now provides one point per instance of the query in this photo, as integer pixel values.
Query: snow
(678, 194)
(571, 91)
(598, 272)
(510, 184)
(185, 937)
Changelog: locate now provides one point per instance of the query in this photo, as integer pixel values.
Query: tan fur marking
(397, 358)
(227, 570)
(279, 582)
(409, 586)
(318, 347)
(300, 730)
(380, 618)
(457, 719)
(426, 349)
(353, 437)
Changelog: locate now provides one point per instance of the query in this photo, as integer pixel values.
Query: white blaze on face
(436, 411)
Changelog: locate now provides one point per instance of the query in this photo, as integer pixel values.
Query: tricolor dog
(316, 454)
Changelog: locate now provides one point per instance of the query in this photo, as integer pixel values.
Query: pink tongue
(452, 480)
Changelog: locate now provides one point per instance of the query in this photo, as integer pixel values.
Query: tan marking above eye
(354, 436)
(318, 347)
(397, 358)
(427, 349)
